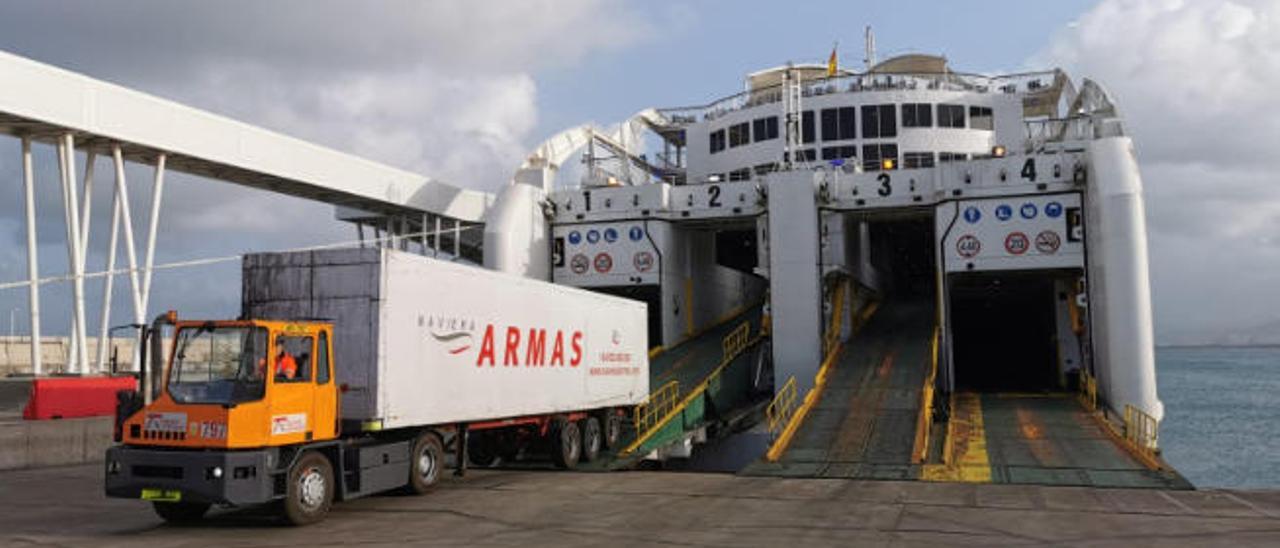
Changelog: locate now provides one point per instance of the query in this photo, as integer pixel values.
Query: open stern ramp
(864, 422)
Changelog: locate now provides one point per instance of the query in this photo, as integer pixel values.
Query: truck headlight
(213, 472)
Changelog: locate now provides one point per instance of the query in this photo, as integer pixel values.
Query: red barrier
(70, 397)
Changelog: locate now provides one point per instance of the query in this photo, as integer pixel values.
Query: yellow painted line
(967, 439)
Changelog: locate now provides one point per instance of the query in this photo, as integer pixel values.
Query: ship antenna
(871, 49)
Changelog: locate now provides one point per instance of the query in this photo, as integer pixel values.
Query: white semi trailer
(354, 371)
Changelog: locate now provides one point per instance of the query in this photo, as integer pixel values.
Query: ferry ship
(905, 271)
(945, 257)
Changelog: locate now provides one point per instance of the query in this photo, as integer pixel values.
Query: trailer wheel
(612, 429)
(310, 489)
(566, 443)
(591, 439)
(425, 464)
(180, 513)
(482, 448)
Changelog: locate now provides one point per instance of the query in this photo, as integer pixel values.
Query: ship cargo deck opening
(1004, 332)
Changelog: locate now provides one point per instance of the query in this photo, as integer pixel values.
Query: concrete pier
(66, 507)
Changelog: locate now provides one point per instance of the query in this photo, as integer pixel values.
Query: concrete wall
(35, 444)
(15, 353)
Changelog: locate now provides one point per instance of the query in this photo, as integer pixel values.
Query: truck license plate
(162, 495)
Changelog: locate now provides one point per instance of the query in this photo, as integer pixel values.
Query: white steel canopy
(45, 102)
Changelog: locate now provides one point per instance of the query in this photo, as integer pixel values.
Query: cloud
(446, 88)
(1195, 82)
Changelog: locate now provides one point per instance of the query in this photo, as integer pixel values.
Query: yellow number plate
(162, 495)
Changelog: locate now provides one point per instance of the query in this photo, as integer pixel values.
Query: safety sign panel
(606, 254)
(1012, 233)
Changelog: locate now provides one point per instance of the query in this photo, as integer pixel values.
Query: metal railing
(782, 408)
(736, 341)
(1141, 429)
(658, 405)
(857, 83)
(1088, 391)
(657, 413)
(924, 421)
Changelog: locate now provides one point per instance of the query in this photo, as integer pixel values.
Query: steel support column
(33, 263)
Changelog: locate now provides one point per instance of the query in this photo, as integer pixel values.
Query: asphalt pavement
(66, 507)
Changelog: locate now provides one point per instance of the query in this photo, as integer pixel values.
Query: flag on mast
(833, 62)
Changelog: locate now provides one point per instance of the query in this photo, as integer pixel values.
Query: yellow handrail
(1141, 429)
(924, 421)
(733, 344)
(658, 405)
(832, 336)
(783, 406)
(1088, 391)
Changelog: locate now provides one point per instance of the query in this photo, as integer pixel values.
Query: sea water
(1222, 414)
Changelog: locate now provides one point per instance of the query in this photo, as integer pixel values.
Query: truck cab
(241, 385)
(237, 406)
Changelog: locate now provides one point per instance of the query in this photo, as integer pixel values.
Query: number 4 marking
(1029, 170)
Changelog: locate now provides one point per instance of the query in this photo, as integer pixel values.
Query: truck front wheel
(180, 513)
(426, 460)
(310, 490)
(566, 443)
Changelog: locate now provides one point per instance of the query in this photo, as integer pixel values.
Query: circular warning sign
(604, 263)
(579, 264)
(968, 246)
(1047, 242)
(1016, 243)
(643, 261)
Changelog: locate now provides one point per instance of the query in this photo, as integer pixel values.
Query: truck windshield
(223, 365)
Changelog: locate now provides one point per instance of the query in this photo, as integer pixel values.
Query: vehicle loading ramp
(864, 424)
(1041, 439)
(709, 379)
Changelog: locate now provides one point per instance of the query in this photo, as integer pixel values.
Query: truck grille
(151, 471)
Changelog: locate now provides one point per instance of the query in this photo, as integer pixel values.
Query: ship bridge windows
(839, 124)
(944, 157)
(804, 155)
(874, 156)
(765, 128)
(840, 153)
(717, 141)
(879, 121)
(743, 174)
(980, 118)
(951, 116)
(739, 134)
(807, 133)
(917, 115)
(916, 160)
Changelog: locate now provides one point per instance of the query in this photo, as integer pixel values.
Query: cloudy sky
(460, 90)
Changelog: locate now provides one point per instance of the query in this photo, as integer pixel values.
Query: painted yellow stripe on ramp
(967, 445)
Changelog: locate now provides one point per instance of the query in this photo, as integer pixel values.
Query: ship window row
(841, 123)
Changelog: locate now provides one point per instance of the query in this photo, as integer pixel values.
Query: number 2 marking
(714, 191)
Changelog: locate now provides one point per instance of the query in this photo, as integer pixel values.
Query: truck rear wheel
(425, 463)
(310, 489)
(180, 513)
(566, 443)
(612, 429)
(591, 439)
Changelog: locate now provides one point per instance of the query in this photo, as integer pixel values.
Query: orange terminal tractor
(430, 360)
